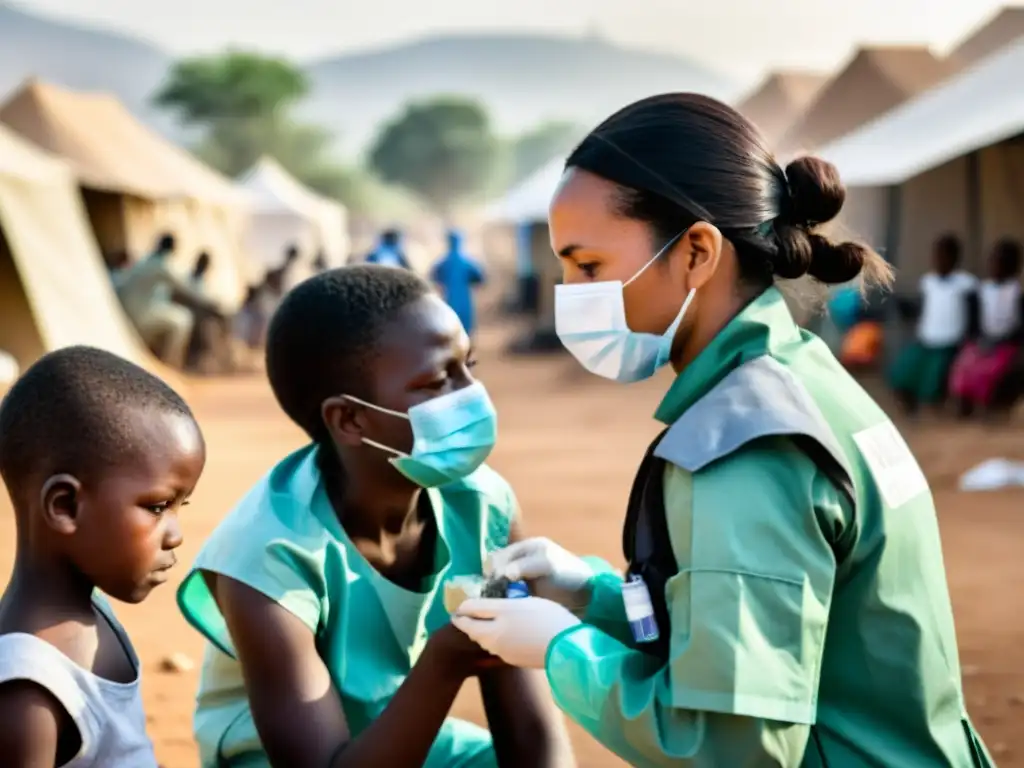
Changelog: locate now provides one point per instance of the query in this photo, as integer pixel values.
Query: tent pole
(892, 235)
(974, 214)
(892, 340)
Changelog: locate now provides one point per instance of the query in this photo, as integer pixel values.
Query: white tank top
(1000, 308)
(109, 715)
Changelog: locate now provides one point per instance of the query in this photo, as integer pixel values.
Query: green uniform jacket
(806, 630)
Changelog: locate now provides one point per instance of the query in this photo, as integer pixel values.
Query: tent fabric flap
(59, 292)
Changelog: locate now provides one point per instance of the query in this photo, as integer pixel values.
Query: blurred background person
(982, 368)
(153, 295)
(282, 278)
(211, 329)
(389, 251)
(920, 372)
(320, 262)
(456, 274)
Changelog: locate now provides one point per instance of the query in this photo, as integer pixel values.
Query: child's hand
(456, 655)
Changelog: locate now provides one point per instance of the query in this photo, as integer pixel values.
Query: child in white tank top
(98, 456)
(985, 375)
(920, 371)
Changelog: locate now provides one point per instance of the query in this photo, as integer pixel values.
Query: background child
(98, 456)
(920, 372)
(981, 369)
(322, 592)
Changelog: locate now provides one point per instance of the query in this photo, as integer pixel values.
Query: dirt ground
(569, 444)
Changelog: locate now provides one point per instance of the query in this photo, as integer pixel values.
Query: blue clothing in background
(846, 307)
(456, 274)
(524, 253)
(389, 253)
(386, 256)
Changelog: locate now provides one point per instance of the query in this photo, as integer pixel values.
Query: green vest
(793, 603)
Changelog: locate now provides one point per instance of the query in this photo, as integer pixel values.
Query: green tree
(533, 149)
(443, 149)
(242, 102)
(230, 87)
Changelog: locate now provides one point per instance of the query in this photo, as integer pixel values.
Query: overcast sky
(741, 37)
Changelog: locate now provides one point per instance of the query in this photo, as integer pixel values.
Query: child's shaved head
(75, 411)
(323, 335)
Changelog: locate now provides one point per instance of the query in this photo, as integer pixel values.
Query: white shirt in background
(944, 318)
(999, 304)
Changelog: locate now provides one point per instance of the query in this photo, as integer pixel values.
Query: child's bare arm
(527, 727)
(30, 722)
(297, 710)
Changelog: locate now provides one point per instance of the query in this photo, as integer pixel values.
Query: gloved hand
(516, 631)
(553, 573)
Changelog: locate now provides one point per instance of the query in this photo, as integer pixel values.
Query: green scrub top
(803, 632)
(284, 540)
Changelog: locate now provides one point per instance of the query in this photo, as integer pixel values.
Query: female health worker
(786, 600)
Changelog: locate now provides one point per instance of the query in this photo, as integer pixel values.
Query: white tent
(527, 202)
(946, 161)
(980, 107)
(54, 289)
(286, 213)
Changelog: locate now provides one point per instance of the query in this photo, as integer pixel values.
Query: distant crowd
(181, 322)
(966, 353)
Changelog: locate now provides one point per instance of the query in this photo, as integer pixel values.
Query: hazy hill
(77, 57)
(523, 79)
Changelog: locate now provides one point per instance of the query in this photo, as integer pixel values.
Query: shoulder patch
(759, 399)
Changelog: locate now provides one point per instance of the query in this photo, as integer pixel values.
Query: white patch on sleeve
(896, 472)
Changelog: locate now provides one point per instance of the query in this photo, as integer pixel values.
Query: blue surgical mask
(590, 320)
(452, 436)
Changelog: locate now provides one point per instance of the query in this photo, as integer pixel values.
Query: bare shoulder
(31, 719)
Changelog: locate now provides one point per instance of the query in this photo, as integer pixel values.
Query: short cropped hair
(949, 247)
(67, 414)
(166, 243)
(324, 335)
(1009, 256)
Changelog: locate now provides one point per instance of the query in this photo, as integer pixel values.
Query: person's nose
(173, 537)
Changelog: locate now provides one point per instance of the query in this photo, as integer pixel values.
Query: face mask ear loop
(668, 246)
(686, 302)
(365, 404)
(385, 448)
(389, 412)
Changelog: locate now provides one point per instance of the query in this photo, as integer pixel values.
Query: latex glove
(516, 631)
(553, 572)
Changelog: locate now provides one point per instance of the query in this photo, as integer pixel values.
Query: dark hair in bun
(680, 158)
(815, 196)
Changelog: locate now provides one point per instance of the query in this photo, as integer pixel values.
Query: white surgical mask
(590, 320)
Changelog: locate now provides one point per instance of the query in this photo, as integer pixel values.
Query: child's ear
(60, 497)
(343, 420)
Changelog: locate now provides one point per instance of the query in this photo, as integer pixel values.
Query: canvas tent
(779, 100)
(135, 184)
(54, 290)
(528, 201)
(526, 207)
(874, 81)
(950, 160)
(285, 213)
(1004, 28)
